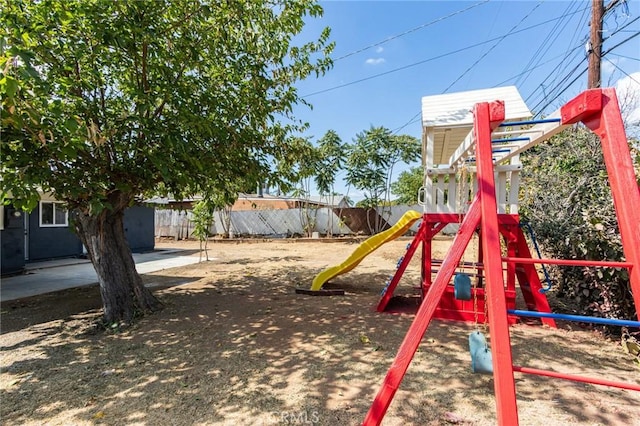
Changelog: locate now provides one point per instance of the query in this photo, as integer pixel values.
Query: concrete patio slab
(55, 275)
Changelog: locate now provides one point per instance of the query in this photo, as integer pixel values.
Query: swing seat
(481, 361)
(462, 287)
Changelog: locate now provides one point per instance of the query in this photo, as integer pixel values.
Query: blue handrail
(577, 318)
(524, 123)
(510, 140)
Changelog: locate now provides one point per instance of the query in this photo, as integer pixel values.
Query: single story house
(264, 201)
(45, 233)
(273, 202)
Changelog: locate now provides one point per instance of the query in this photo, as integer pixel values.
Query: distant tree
(223, 201)
(331, 158)
(407, 185)
(371, 160)
(300, 169)
(202, 219)
(106, 101)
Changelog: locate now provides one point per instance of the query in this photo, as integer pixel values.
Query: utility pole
(595, 43)
(598, 12)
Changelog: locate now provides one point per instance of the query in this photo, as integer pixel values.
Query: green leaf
(9, 86)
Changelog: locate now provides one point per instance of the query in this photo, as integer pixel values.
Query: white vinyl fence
(269, 223)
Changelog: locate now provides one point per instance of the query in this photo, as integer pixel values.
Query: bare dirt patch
(235, 345)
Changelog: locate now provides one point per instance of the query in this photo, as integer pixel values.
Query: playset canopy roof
(448, 118)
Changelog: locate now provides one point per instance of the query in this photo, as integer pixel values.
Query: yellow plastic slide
(368, 246)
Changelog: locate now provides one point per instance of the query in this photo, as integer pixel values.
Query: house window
(53, 214)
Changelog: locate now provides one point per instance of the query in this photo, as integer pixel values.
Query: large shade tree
(105, 101)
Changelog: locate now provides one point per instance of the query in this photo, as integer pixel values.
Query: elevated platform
(448, 148)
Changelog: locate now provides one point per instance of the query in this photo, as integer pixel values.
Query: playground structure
(471, 146)
(446, 152)
(450, 185)
(481, 134)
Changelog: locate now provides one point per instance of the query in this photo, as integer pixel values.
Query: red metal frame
(577, 378)
(598, 109)
(454, 309)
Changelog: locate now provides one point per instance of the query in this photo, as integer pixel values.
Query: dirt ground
(236, 346)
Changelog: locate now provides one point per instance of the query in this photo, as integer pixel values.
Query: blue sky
(533, 45)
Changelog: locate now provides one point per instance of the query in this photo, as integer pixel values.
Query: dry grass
(236, 346)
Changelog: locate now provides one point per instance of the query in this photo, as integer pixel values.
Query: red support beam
(391, 287)
(599, 110)
(487, 116)
(567, 262)
(423, 317)
(530, 279)
(576, 378)
(512, 250)
(584, 106)
(606, 122)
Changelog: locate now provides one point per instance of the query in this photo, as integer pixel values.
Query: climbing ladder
(597, 109)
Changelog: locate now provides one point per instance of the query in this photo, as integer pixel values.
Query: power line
(432, 58)
(386, 40)
(622, 71)
(563, 67)
(623, 41)
(555, 89)
(411, 121)
(563, 90)
(492, 47)
(414, 118)
(490, 32)
(557, 31)
(528, 70)
(554, 96)
(533, 97)
(626, 57)
(582, 73)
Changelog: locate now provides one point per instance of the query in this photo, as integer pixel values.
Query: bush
(566, 197)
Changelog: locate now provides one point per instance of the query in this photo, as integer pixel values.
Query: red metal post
(402, 266)
(577, 378)
(598, 109)
(487, 116)
(568, 262)
(529, 278)
(423, 317)
(480, 277)
(427, 247)
(512, 249)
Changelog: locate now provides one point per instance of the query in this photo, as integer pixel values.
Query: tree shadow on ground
(73, 303)
(242, 347)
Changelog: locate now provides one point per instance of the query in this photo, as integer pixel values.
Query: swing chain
(475, 304)
(486, 315)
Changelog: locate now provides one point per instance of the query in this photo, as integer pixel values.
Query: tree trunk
(124, 296)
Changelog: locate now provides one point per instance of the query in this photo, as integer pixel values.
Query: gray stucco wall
(51, 242)
(12, 242)
(58, 242)
(139, 228)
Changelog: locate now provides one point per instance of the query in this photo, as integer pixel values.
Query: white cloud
(379, 49)
(608, 66)
(628, 91)
(375, 61)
